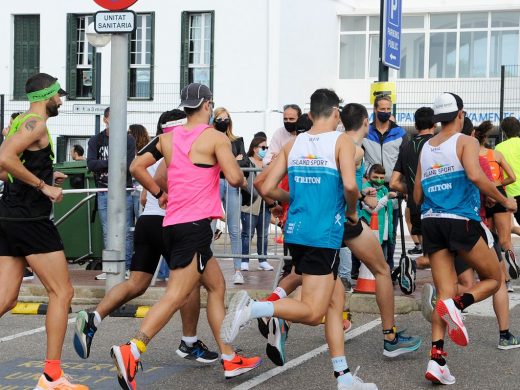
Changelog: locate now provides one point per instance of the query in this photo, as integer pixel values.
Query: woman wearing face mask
(257, 216)
(229, 195)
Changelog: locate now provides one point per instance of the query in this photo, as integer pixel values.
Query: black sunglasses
(263, 147)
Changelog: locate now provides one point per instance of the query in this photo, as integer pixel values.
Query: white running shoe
(453, 319)
(358, 384)
(238, 278)
(101, 276)
(439, 374)
(244, 266)
(265, 266)
(238, 314)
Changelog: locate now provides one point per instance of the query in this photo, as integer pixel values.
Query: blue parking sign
(392, 33)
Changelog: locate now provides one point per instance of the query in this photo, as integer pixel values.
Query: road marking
(30, 332)
(303, 358)
(485, 307)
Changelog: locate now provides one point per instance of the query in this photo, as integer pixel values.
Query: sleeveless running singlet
(496, 169)
(317, 202)
(448, 193)
(21, 201)
(193, 192)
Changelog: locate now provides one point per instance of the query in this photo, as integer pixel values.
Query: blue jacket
(383, 148)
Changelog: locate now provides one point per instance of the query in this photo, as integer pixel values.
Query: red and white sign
(115, 5)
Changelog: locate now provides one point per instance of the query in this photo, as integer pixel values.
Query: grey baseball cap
(194, 94)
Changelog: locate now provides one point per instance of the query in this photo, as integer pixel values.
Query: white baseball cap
(446, 107)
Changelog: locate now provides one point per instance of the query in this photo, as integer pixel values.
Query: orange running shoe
(126, 365)
(63, 383)
(239, 365)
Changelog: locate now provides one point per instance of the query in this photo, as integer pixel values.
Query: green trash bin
(81, 231)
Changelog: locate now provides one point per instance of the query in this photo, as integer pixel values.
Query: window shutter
(72, 53)
(61, 149)
(185, 48)
(152, 59)
(26, 52)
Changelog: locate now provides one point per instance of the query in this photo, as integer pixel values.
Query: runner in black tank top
(27, 235)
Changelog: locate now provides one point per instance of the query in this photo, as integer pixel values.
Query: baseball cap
(446, 107)
(194, 94)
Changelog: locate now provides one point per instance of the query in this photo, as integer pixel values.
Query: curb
(31, 308)
(131, 311)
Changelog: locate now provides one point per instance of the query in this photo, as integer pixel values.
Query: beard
(52, 109)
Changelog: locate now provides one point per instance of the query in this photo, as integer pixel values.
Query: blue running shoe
(198, 352)
(401, 344)
(276, 338)
(84, 332)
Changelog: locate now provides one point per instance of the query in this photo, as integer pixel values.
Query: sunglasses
(263, 147)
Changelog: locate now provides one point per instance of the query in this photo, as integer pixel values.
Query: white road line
(303, 358)
(30, 332)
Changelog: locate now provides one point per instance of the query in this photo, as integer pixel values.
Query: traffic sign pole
(383, 69)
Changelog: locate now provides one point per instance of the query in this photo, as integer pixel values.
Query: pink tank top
(193, 192)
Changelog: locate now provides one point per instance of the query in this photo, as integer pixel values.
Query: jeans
(102, 202)
(164, 270)
(230, 198)
(261, 224)
(391, 245)
(389, 260)
(345, 263)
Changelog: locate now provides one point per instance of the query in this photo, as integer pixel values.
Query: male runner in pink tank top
(194, 155)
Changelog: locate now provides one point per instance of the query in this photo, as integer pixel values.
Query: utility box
(81, 231)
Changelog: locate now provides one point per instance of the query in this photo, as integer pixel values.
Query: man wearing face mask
(291, 113)
(382, 147)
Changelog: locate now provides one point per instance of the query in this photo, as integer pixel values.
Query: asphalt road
(479, 366)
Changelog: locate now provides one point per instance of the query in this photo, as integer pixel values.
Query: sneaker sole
(188, 356)
(263, 327)
(275, 348)
(505, 348)
(432, 378)
(115, 353)
(457, 333)
(229, 330)
(426, 299)
(80, 339)
(240, 371)
(513, 267)
(401, 351)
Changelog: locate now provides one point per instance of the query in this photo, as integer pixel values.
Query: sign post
(390, 33)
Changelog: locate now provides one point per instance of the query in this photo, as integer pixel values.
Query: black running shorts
(415, 220)
(148, 244)
(497, 207)
(24, 238)
(184, 240)
(353, 231)
(314, 261)
(452, 234)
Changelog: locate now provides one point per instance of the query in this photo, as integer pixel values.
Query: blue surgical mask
(262, 153)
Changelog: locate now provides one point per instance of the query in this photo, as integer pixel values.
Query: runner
(320, 164)
(148, 248)
(193, 166)
(27, 235)
(446, 184)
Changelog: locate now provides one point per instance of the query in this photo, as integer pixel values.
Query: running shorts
(148, 244)
(314, 261)
(25, 238)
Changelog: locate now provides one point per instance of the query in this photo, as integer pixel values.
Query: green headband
(44, 94)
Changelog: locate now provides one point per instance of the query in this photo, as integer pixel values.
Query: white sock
(280, 292)
(189, 340)
(97, 319)
(228, 357)
(135, 350)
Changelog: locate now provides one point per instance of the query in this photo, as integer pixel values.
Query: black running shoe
(28, 274)
(199, 352)
(263, 326)
(415, 251)
(84, 333)
(512, 265)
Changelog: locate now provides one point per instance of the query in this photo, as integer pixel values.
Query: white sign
(109, 22)
(95, 109)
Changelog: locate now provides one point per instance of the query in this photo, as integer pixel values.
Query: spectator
(5, 131)
(256, 216)
(382, 147)
(260, 134)
(380, 217)
(291, 113)
(97, 162)
(141, 137)
(230, 195)
(77, 153)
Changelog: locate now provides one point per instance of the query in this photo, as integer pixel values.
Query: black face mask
(290, 126)
(221, 125)
(384, 116)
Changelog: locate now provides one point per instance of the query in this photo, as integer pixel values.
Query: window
(80, 58)
(197, 48)
(443, 47)
(140, 85)
(412, 56)
(26, 52)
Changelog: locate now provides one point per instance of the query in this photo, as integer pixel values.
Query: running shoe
(239, 365)
(244, 266)
(510, 287)
(60, 384)
(275, 348)
(357, 384)
(511, 343)
(263, 326)
(265, 266)
(428, 300)
(28, 274)
(512, 265)
(238, 278)
(401, 344)
(407, 274)
(198, 352)
(126, 365)
(84, 332)
(453, 319)
(238, 314)
(439, 374)
(415, 251)
(347, 284)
